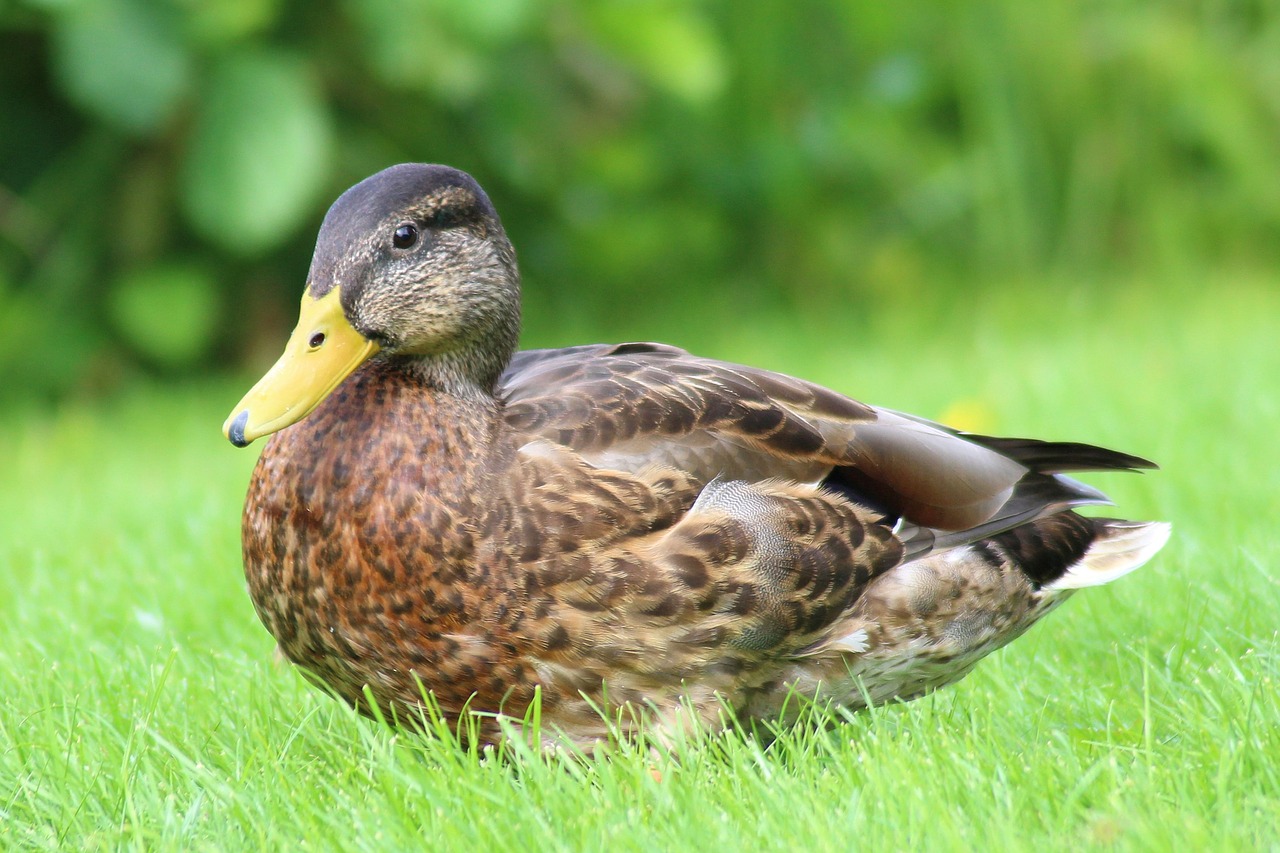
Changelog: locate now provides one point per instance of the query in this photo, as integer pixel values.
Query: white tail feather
(1123, 547)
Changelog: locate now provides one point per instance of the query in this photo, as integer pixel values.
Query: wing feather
(632, 406)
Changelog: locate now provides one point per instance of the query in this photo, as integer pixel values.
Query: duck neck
(471, 366)
(464, 374)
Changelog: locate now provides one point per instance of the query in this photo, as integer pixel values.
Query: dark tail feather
(1055, 457)
(1048, 457)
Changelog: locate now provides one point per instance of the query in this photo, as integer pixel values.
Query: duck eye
(406, 235)
(316, 340)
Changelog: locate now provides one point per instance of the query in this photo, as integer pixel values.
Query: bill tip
(235, 429)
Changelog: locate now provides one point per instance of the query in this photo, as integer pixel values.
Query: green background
(164, 164)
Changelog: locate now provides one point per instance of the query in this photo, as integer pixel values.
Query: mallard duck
(621, 533)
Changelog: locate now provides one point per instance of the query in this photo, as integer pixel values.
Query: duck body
(619, 533)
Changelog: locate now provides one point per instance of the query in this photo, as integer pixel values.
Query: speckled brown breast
(360, 548)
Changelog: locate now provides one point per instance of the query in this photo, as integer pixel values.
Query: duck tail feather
(1054, 457)
(1120, 547)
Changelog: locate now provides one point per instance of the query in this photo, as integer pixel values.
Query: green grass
(140, 706)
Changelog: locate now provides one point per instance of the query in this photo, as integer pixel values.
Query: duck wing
(631, 406)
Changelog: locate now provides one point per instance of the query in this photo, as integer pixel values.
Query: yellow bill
(322, 351)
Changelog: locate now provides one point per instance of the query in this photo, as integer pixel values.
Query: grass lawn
(140, 706)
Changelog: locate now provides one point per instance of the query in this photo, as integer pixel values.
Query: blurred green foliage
(164, 163)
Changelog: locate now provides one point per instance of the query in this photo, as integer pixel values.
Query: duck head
(411, 264)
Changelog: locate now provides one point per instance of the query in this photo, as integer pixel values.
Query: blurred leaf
(140, 216)
(42, 350)
(259, 152)
(122, 60)
(898, 79)
(421, 51)
(225, 21)
(44, 5)
(168, 313)
(492, 21)
(625, 164)
(669, 43)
